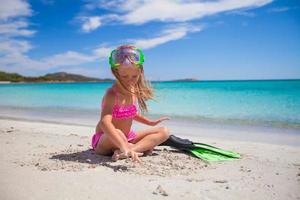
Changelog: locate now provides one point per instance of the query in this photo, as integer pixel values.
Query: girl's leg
(105, 146)
(147, 139)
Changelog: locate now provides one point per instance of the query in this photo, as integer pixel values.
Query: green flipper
(211, 153)
(200, 150)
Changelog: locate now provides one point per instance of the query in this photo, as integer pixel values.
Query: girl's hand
(134, 155)
(126, 153)
(154, 123)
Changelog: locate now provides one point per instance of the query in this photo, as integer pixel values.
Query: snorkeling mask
(126, 55)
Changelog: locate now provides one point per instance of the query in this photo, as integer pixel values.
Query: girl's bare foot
(118, 155)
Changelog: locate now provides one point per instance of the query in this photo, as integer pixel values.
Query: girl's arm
(142, 119)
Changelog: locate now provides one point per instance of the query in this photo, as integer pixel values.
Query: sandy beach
(54, 161)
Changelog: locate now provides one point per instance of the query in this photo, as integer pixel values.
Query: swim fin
(203, 151)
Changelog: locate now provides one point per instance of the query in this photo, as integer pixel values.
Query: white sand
(52, 161)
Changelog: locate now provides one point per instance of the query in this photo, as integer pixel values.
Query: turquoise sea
(274, 103)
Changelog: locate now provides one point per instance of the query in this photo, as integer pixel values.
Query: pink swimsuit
(119, 112)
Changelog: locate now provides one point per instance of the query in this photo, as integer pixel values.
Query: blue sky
(207, 40)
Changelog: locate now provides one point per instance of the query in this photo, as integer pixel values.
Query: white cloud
(13, 57)
(167, 35)
(115, 5)
(14, 8)
(102, 52)
(12, 26)
(19, 62)
(143, 11)
(15, 47)
(68, 58)
(10, 23)
(180, 11)
(16, 28)
(91, 23)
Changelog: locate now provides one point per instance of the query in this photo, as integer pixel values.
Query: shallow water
(274, 103)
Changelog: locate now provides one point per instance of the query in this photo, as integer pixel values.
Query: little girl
(113, 132)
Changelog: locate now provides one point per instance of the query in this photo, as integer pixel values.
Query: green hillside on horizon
(52, 77)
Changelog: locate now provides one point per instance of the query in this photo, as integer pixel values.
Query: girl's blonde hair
(143, 89)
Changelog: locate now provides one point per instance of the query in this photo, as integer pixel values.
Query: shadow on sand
(91, 158)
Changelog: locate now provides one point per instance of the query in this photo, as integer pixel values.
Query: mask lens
(118, 56)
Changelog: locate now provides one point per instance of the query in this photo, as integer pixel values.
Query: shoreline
(45, 112)
(90, 114)
(59, 159)
(263, 134)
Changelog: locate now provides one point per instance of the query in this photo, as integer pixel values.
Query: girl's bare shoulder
(109, 96)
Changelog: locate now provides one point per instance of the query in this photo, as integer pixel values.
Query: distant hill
(63, 76)
(55, 77)
(183, 80)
